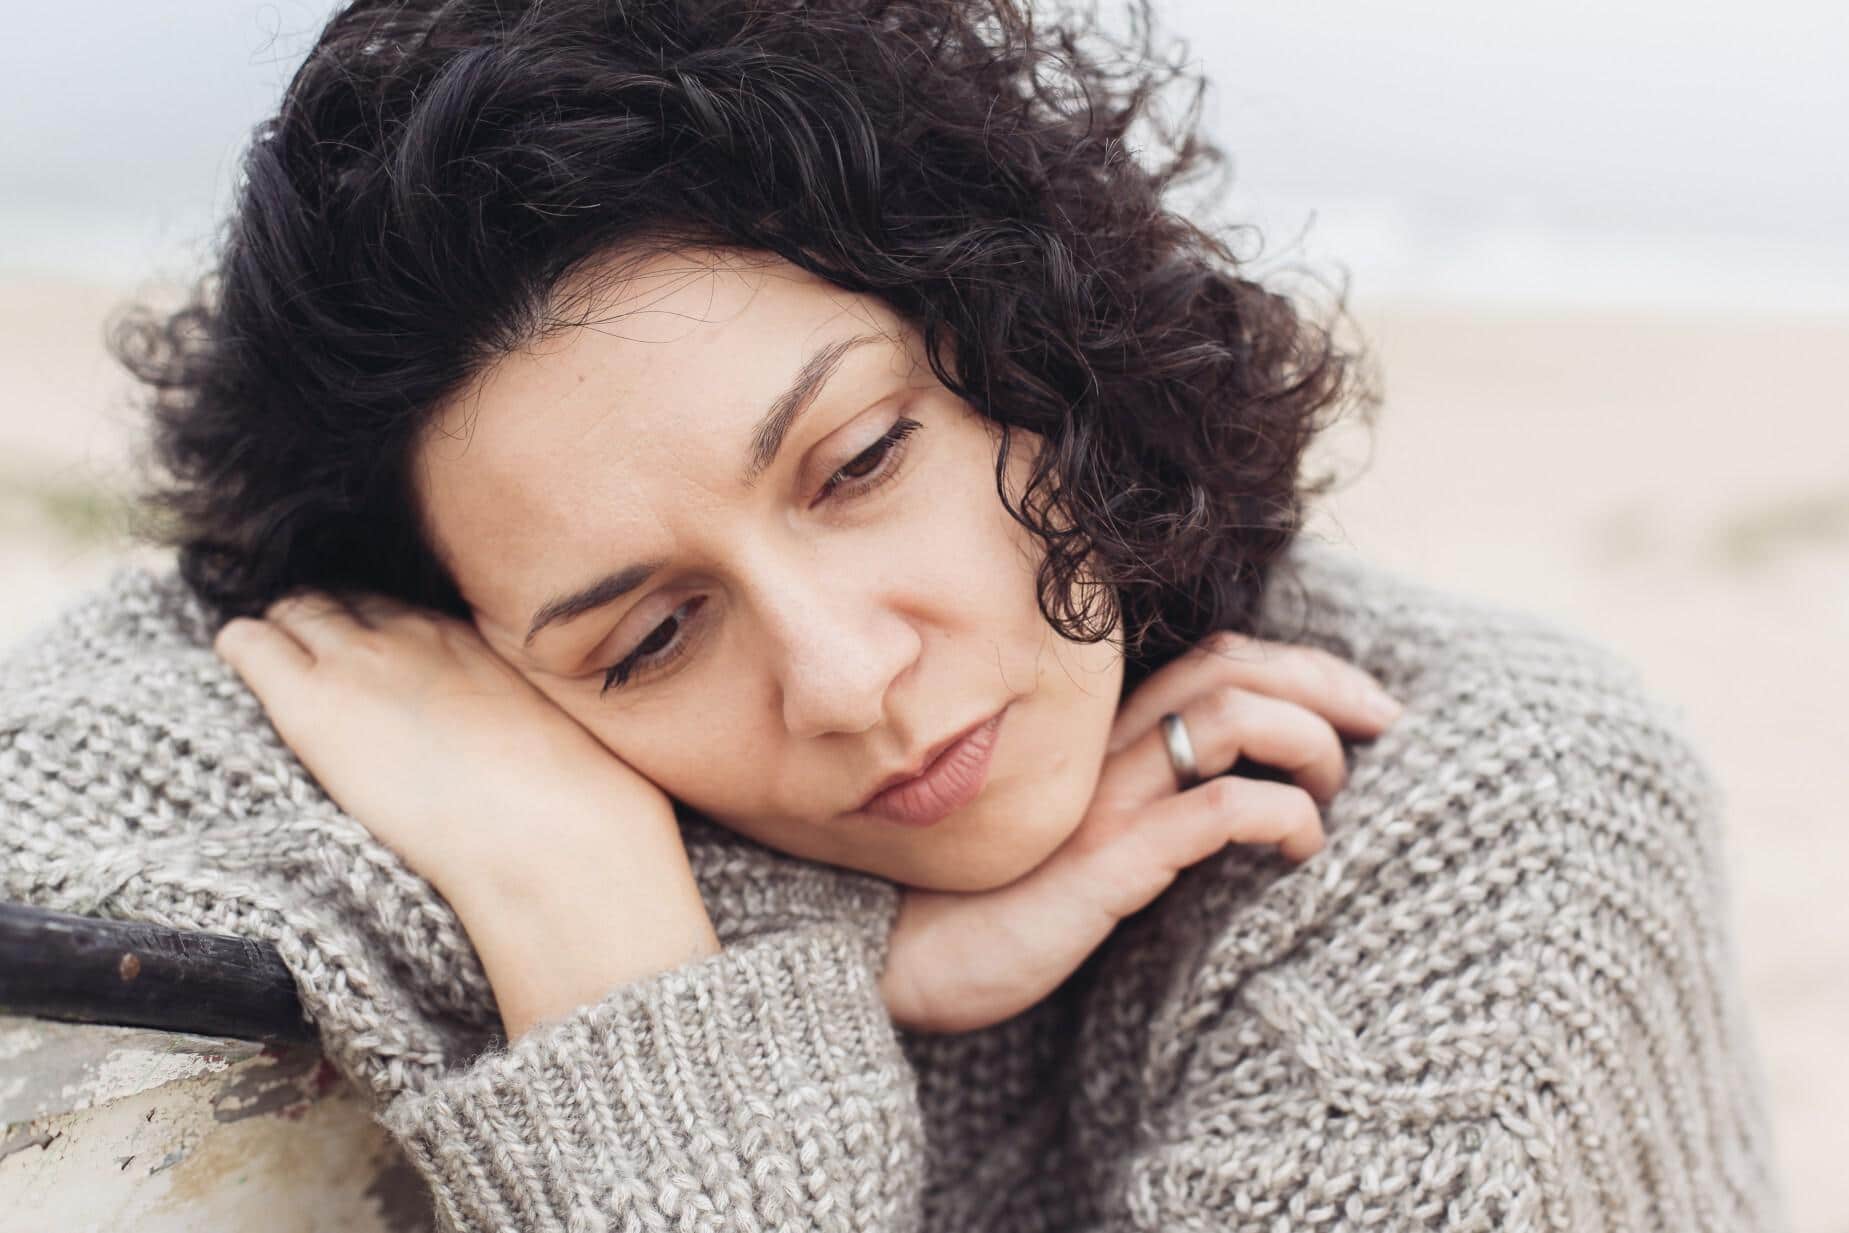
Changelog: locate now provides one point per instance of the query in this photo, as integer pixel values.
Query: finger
(1178, 831)
(320, 622)
(262, 653)
(1223, 724)
(1311, 677)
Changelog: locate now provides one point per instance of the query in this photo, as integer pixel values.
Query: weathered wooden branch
(85, 970)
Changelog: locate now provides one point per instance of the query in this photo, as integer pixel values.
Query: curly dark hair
(438, 170)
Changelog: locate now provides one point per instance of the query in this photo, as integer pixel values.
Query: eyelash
(886, 452)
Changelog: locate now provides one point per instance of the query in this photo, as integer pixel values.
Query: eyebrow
(766, 441)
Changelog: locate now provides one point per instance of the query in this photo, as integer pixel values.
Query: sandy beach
(1674, 487)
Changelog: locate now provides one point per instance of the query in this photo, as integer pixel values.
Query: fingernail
(1384, 708)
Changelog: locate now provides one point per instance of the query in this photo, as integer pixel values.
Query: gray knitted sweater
(1503, 997)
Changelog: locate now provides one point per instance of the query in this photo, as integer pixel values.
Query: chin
(971, 882)
(998, 850)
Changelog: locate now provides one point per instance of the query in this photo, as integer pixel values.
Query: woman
(753, 522)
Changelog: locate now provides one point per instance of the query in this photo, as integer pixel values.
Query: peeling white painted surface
(105, 1129)
(16, 1040)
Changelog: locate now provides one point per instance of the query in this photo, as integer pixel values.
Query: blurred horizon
(1624, 156)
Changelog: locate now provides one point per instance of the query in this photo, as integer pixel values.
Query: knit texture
(1503, 997)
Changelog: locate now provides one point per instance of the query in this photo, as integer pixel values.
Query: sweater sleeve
(759, 1088)
(1504, 998)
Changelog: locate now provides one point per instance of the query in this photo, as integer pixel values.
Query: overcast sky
(1623, 151)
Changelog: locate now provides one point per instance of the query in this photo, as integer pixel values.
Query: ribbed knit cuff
(759, 1088)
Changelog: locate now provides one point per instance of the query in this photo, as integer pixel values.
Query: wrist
(556, 821)
(568, 915)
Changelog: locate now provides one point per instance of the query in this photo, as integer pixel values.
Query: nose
(838, 650)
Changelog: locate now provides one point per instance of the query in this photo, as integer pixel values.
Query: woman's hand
(961, 961)
(543, 841)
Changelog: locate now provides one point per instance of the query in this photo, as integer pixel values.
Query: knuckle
(366, 643)
(356, 608)
(379, 611)
(1226, 707)
(1339, 676)
(1225, 642)
(1313, 672)
(1224, 793)
(307, 604)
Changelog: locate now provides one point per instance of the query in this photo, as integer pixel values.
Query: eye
(870, 468)
(669, 640)
(663, 645)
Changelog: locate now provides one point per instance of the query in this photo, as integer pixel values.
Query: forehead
(603, 430)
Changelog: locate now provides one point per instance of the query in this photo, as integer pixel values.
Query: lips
(931, 755)
(952, 776)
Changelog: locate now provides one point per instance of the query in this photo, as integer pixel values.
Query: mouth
(952, 776)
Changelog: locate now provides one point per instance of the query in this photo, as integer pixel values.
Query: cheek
(702, 753)
(682, 750)
(707, 769)
(966, 525)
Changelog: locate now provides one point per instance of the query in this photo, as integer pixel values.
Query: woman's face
(746, 487)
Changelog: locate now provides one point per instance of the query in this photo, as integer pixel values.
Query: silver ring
(1180, 751)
